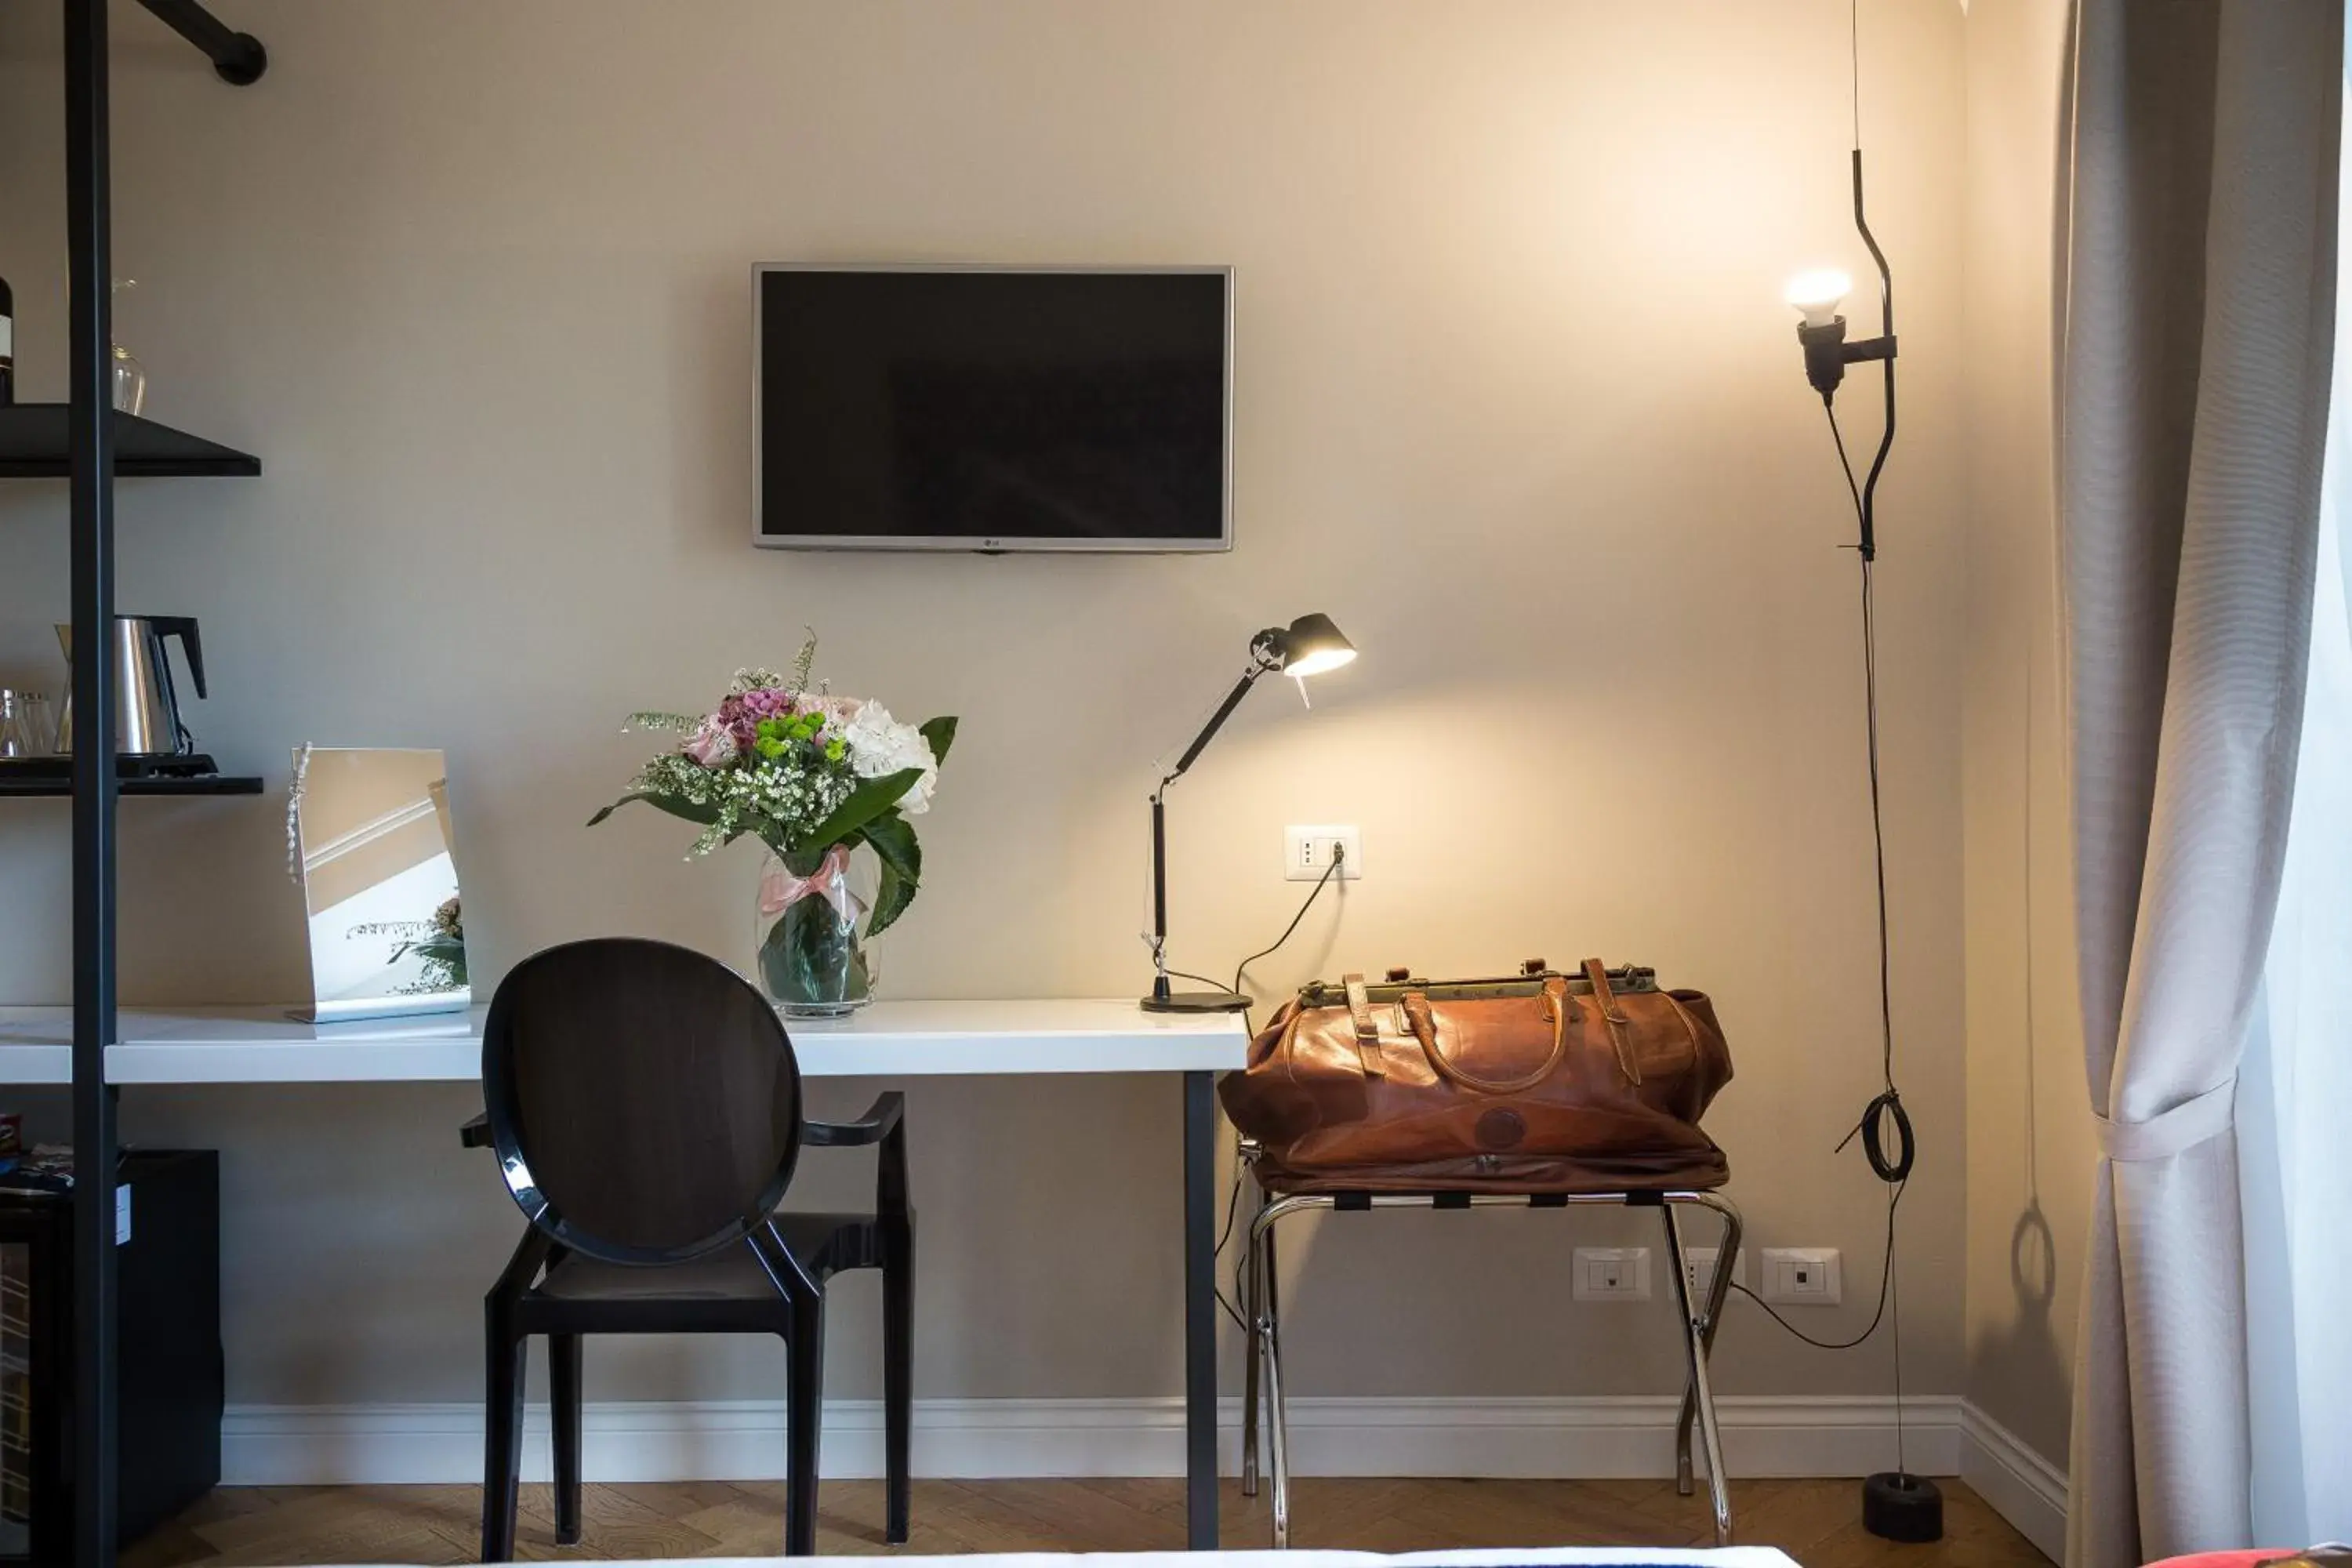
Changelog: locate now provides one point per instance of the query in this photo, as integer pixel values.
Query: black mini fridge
(167, 1229)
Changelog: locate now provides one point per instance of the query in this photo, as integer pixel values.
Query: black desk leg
(1200, 1311)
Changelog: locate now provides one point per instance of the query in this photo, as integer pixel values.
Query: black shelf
(211, 784)
(33, 447)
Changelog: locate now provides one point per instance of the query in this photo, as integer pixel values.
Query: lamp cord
(1886, 1109)
(1338, 858)
(1234, 1194)
(1853, 43)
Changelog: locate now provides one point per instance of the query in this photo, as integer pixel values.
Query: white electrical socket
(1611, 1274)
(1698, 1268)
(1307, 852)
(1802, 1276)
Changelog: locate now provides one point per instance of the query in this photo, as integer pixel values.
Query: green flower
(835, 750)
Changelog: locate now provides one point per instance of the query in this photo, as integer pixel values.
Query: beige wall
(2030, 1148)
(1518, 404)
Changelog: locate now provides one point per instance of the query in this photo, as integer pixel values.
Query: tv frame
(978, 543)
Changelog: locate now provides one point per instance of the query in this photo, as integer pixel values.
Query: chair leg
(564, 1401)
(1277, 1418)
(1695, 1336)
(1253, 1305)
(804, 1415)
(502, 1437)
(898, 1380)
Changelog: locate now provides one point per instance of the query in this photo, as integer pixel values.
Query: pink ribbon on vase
(780, 889)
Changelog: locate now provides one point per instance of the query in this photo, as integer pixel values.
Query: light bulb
(1817, 294)
(1318, 661)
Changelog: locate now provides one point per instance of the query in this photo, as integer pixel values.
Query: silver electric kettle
(146, 706)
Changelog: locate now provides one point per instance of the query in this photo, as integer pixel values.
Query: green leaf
(893, 838)
(893, 841)
(941, 733)
(867, 802)
(704, 815)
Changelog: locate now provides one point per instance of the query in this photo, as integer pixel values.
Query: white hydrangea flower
(879, 744)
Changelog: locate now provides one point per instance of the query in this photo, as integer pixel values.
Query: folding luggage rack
(1261, 1307)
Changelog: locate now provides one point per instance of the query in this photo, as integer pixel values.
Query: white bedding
(1553, 1557)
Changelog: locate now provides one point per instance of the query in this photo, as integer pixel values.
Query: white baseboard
(2022, 1487)
(1782, 1435)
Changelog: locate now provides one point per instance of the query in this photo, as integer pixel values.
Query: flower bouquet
(813, 777)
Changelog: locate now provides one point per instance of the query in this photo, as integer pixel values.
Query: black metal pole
(1887, 335)
(1261, 661)
(237, 57)
(1216, 721)
(90, 442)
(1160, 988)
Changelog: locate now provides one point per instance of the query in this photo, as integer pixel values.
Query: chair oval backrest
(643, 1099)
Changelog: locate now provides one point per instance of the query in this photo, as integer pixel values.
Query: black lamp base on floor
(1899, 1506)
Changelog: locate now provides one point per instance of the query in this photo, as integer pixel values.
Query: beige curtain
(2195, 335)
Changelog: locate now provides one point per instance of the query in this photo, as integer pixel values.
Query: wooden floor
(1814, 1520)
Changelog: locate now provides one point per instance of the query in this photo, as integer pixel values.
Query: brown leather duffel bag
(1542, 1083)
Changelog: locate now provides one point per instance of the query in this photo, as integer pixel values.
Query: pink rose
(712, 744)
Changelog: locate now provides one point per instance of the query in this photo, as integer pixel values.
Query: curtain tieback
(2170, 1132)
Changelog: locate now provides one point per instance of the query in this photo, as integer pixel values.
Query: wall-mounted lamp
(1816, 294)
(1896, 1504)
(1309, 645)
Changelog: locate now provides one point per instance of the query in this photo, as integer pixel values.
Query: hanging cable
(1884, 1128)
(1233, 1196)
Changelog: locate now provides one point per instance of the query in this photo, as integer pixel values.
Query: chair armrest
(475, 1134)
(881, 1119)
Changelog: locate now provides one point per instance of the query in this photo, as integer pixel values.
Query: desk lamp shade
(1311, 645)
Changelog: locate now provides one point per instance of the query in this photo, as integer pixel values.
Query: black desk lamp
(1309, 645)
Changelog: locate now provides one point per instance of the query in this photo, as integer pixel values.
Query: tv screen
(992, 409)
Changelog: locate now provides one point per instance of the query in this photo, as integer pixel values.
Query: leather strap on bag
(1368, 1031)
(1424, 1029)
(1605, 1001)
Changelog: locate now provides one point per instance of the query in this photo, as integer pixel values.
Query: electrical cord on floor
(1233, 1197)
(1885, 1111)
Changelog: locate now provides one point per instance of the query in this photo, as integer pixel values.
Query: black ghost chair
(644, 1105)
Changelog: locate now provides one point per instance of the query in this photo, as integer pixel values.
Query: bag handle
(1368, 1032)
(1424, 1029)
(1605, 1000)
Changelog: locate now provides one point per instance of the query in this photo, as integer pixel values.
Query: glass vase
(811, 922)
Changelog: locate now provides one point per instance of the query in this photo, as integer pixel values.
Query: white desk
(888, 1039)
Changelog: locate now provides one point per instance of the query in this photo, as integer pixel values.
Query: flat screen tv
(992, 409)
